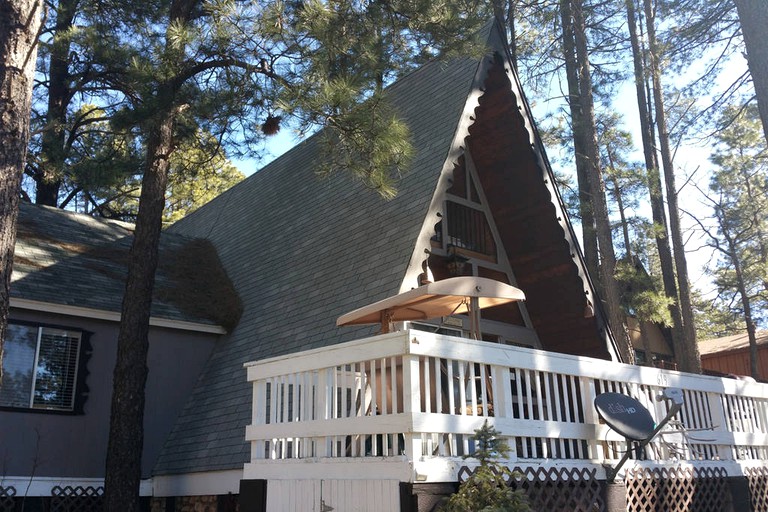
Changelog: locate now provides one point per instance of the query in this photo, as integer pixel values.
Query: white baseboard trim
(32, 486)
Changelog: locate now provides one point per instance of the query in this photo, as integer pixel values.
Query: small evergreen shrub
(487, 489)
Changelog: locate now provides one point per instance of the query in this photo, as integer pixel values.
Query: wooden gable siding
(528, 223)
(736, 362)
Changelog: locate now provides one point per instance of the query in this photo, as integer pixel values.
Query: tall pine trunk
(733, 255)
(126, 432)
(610, 285)
(746, 305)
(126, 423)
(689, 359)
(621, 208)
(48, 175)
(589, 236)
(19, 26)
(758, 218)
(654, 184)
(753, 16)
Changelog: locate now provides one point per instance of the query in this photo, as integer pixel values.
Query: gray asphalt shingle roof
(76, 260)
(302, 250)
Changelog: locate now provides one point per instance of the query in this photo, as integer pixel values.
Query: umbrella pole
(474, 318)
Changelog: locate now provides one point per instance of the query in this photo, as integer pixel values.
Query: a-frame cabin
(303, 250)
(376, 419)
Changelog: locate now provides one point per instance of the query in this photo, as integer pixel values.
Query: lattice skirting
(677, 489)
(62, 499)
(555, 489)
(77, 499)
(758, 487)
(7, 501)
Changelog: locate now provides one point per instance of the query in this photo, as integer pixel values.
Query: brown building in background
(730, 354)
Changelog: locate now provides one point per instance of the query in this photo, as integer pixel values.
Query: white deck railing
(413, 395)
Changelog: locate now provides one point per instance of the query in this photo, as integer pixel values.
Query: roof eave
(111, 316)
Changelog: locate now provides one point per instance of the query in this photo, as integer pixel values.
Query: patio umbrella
(456, 295)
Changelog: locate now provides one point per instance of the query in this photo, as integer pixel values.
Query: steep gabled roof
(303, 250)
(80, 262)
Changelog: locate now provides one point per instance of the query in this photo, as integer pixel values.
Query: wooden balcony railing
(414, 396)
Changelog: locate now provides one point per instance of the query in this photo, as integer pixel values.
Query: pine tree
(688, 353)
(215, 65)
(609, 286)
(20, 21)
(653, 175)
(738, 195)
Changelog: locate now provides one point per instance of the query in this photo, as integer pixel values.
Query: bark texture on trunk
(52, 153)
(754, 366)
(126, 433)
(654, 183)
(733, 254)
(753, 16)
(126, 424)
(19, 26)
(589, 237)
(611, 294)
(689, 359)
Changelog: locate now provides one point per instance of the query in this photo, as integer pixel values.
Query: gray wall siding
(63, 445)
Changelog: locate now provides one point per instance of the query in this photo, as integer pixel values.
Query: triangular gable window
(467, 226)
(468, 229)
(466, 242)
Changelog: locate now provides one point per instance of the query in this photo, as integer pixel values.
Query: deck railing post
(588, 393)
(411, 404)
(323, 400)
(501, 382)
(719, 422)
(762, 414)
(259, 416)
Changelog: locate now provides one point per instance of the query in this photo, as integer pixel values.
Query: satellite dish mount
(631, 419)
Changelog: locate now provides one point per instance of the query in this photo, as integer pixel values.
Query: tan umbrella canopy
(452, 296)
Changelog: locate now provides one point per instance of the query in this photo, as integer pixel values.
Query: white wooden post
(322, 400)
(375, 407)
(385, 386)
(502, 401)
(502, 391)
(259, 416)
(427, 388)
(762, 413)
(588, 393)
(451, 388)
(462, 388)
(411, 404)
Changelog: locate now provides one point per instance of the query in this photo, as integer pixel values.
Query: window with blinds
(40, 367)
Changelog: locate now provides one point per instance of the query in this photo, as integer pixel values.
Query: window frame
(79, 389)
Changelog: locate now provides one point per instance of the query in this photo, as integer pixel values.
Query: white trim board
(28, 486)
(111, 316)
(352, 468)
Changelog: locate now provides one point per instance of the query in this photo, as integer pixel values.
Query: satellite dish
(631, 419)
(625, 415)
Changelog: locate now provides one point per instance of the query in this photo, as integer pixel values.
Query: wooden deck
(402, 407)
